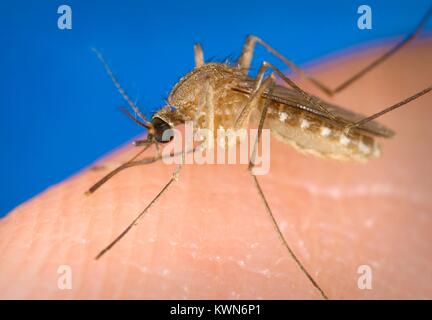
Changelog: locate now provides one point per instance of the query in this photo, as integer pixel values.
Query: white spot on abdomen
(363, 147)
(325, 132)
(304, 124)
(283, 116)
(344, 139)
(376, 151)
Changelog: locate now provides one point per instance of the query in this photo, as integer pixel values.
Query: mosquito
(221, 94)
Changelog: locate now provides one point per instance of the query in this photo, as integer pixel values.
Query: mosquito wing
(292, 99)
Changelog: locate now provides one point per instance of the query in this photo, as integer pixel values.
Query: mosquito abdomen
(314, 135)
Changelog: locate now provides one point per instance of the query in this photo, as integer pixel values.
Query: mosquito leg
(259, 78)
(158, 152)
(266, 84)
(115, 165)
(199, 55)
(209, 107)
(130, 164)
(409, 38)
(309, 98)
(391, 108)
(260, 86)
(246, 56)
(206, 107)
(174, 177)
(291, 252)
(139, 143)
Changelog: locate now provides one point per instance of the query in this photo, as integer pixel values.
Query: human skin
(209, 236)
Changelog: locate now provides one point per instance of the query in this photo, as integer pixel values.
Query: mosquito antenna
(395, 106)
(119, 87)
(134, 119)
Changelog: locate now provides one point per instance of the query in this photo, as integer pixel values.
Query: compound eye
(160, 127)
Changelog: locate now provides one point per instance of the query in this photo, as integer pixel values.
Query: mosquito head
(161, 131)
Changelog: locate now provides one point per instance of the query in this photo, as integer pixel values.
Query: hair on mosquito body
(218, 94)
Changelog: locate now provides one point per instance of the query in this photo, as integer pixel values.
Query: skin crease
(209, 236)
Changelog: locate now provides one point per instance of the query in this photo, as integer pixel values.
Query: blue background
(58, 108)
